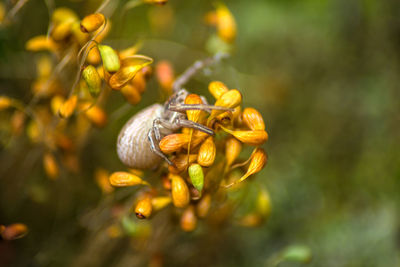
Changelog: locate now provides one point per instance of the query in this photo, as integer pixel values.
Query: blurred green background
(325, 76)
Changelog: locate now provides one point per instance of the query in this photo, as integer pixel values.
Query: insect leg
(194, 125)
(205, 107)
(155, 148)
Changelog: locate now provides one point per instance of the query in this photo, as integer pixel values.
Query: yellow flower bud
(233, 147)
(101, 176)
(63, 14)
(203, 206)
(253, 138)
(193, 115)
(130, 66)
(92, 22)
(253, 119)
(173, 142)
(230, 99)
(181, 163)
(68, 107)
(5, 102)
(263, 203)
(109, 57)
(56, 103)
(97, 116)
(92, 79)
(226, 24)
(131, 94)
(258, 160)
(188, 220)
(93, 56)
(144, 208)
(122, 179)
(159, 203)
(207, 152)
(180, 191)
(40, 43)
(61, 31)
(217, 89)
(196, 176)
(14, 231)
(50, 166)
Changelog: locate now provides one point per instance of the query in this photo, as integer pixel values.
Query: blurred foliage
(324, 74)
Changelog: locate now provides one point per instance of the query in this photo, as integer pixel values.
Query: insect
(137, 144)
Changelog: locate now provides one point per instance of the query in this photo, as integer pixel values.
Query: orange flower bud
(253, 119)
(233, 147)
(203, 206)
(181, 163)
(188, 220)
(131, 94)
(230, 99)
(14, 231)
(56, 103)
(101, 176)
(180, 191)
(210, 18)
(173, 142)
(250, 220)
(257, 163)
(207, 152)
(97, 116)
(92, 79)
(144, 208)
(165, 75)
(122, 179)
(159, 203)
(197, 138)
(5, 102)
(129, 67)
(2, 228)
(193, 115)
(68, 107)
(92, 22)
(226, 24)
(253, 138)
(40, 43)
(217, 89)
(50, 166)
(139, 81)
(156, 2)
(93, 56)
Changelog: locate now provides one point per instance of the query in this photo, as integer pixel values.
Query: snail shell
(133, 146)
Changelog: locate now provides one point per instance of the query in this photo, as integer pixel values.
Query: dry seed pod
(180, 191)
(257, 163)
(92, 79)
(5, 102)
(122, 179)
(103, 182)
(253, 119)
(233, 147)
(68, 107)
(253, 138)
(196, 176)
(131, 94)
(130, 66)
(92, 22)
(14, 231)
(40, 43)
(207, 152)
(173, 142)
(159, 203)
(188, 219)
(97, 116)
(109, 57)
(203, 206)
(144, 208)
(217, 89)
(181, 163)
(50, 166)
(226, 24)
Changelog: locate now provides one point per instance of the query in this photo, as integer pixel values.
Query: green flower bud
(196, 176)
(92, 79)
(109, 57)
